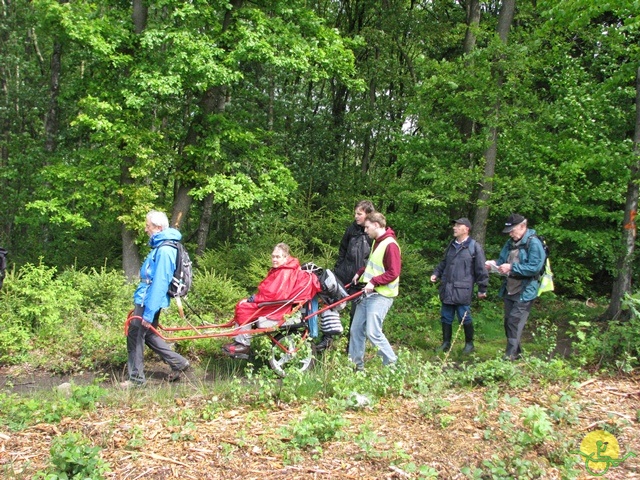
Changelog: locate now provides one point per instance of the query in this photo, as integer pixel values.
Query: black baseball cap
(513, 220)
(462, 221)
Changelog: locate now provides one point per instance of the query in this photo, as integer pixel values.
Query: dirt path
(474, 428)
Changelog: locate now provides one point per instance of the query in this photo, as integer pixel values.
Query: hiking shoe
(174, 375)
(468, 348)
(130, 384)
(445, 347)
(237, 350)
(325, 343)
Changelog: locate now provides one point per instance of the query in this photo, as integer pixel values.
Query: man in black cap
(520, 262)
(462, 266)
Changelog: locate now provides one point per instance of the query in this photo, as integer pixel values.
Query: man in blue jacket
(520, 262)
(149, 299)
(462, 266)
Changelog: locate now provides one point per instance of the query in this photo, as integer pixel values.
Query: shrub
(491, 372)
(609, 344)
(73, 457)
(18, 412)
(214, 294)
(315, 428)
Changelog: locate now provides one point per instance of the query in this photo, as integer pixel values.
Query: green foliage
(298, 111)
(552, 370)
(18, 412)
(214, 294)
(67, 321)
(537, 424)
(608, 344)
(38, 300)
(314, 429)
(73, 457)
(491, 372)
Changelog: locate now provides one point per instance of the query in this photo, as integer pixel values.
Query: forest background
(252, 123)
(256, 122)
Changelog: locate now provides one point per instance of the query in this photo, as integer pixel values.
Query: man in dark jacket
(352, 255)
(462, 266)
(355, 245)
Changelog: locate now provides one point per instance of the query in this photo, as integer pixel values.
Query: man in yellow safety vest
(381, 277)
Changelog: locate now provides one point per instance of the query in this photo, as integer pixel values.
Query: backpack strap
(171, 243)
(525, 246)
(472, 248)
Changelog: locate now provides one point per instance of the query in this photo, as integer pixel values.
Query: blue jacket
(531, 262)
(156, 273)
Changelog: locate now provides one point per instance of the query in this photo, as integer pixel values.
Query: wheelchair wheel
(295, 353)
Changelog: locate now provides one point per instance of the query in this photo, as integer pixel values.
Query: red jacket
(287, 282)
(279, 282)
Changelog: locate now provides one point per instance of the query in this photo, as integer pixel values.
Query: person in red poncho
(284, 281)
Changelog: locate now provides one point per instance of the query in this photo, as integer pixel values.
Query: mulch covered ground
(383, 441)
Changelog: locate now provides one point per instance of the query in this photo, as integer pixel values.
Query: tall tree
(622, 284)
(505, 19)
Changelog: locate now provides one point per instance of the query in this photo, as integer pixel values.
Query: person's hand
(145, 324)
(482, 295)
(505, 268)
(354, 280)
(434, 279)
(368, 288)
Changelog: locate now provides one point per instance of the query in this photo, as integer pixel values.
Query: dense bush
(73, 319)
(609, 344)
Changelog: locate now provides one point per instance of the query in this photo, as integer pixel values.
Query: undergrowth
(75, 322)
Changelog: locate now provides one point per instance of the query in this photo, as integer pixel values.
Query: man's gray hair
(159, 219)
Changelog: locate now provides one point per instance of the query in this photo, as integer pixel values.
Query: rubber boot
(512, 349)
(468, 338)
(447, 331)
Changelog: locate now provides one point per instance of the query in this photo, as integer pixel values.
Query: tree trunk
(215, 100)
(130, 253)
(205, 224)
(473, 20)
(366, 152)
(622, 284)
(505, 19)
(52, 121)
(181, 204)
(482, 212)
(139, 16)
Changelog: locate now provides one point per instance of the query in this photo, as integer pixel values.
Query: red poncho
(281, 283)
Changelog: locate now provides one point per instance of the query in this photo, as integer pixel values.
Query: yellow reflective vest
(375, 267)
